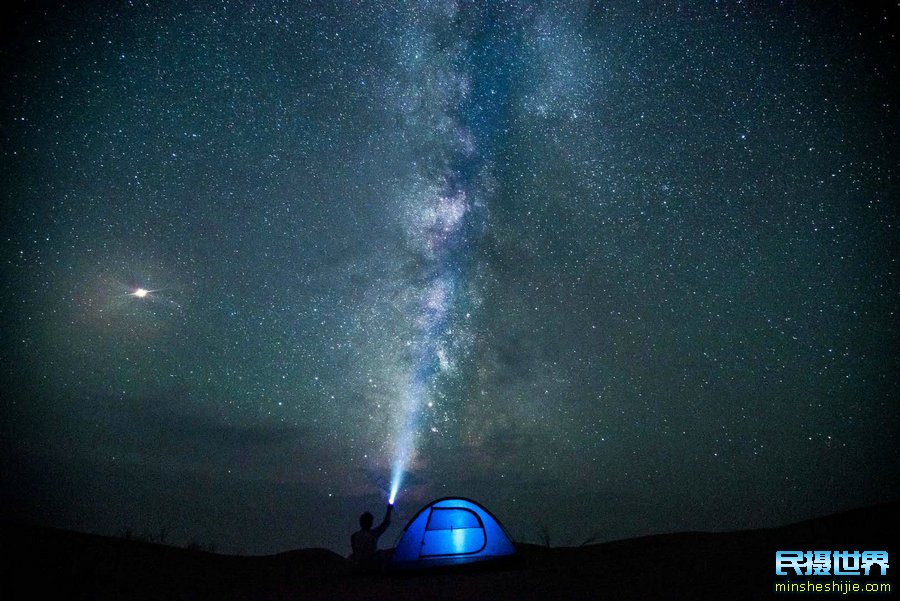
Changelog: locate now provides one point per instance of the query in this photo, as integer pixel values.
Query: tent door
(452, 531)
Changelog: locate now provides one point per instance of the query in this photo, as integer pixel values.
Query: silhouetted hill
(690, 565)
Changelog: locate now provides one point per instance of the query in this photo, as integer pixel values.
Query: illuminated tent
(451, 531)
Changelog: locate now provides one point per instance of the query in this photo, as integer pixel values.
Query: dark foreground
(692, 565)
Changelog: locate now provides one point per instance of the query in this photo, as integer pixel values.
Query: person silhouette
(364, 541)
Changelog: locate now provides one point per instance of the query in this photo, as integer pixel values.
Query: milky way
(611, 269)
(443, 202)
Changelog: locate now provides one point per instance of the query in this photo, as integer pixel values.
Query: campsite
(695, 565)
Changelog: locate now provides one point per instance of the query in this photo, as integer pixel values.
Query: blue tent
(451, 531)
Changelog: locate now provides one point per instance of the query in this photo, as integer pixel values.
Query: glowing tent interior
(451, 531)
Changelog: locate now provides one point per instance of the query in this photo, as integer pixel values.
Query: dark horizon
(164, 536)
(620, 269)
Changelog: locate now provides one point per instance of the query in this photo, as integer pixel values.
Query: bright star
(140, 292)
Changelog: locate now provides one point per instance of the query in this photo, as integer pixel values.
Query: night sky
(611, 269)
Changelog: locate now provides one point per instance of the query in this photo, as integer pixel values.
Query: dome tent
(451, 531)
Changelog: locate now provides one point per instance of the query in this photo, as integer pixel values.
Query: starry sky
(609, 268)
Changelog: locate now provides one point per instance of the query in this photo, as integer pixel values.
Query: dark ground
(691, 565)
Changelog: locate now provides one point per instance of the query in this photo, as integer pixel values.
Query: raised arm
(385, 522)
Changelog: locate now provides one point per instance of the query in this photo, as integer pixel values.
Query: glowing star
(140, 292)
